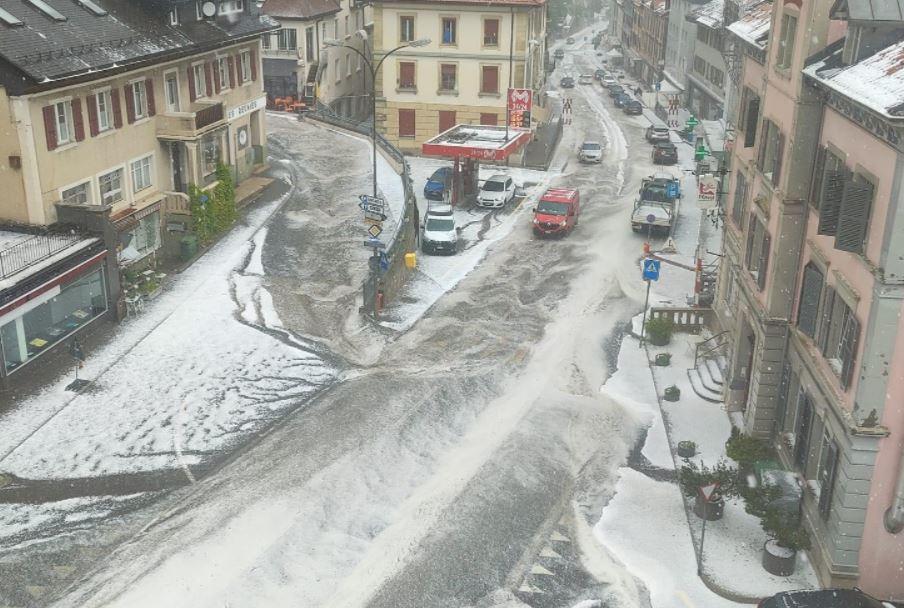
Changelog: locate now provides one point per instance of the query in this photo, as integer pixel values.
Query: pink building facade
(812, 281)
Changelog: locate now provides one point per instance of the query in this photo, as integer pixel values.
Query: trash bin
(188, 247)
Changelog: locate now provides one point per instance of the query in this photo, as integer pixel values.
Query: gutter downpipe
(894, 515)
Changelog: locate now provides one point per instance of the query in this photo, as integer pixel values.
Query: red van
(557, 212)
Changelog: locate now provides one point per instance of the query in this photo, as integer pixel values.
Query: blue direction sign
(375, 243)
(651, 270)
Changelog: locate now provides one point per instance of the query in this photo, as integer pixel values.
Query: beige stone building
(477, 50)
(109, 111)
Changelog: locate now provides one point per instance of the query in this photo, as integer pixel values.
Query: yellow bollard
(411, 260)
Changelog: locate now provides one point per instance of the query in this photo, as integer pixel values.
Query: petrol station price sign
(519, 107)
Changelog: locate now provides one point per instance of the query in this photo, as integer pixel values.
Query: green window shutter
(751, 233)
(818, 170)
(808, 308)
(763, 266)
(752, 117)
(830, 202)
(825, 319)
(777, 158)
(853, 217)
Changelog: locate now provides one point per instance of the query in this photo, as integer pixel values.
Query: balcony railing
(188, 125)
(31, 251)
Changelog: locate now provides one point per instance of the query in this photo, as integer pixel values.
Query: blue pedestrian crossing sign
(651, 270)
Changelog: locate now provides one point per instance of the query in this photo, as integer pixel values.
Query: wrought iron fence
(31, 251)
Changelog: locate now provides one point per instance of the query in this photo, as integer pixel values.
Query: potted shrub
(687, 449)
(150, 289)
(672, 393)
(659, 331)
(663, 359)
(746, 450)
(786, 537)
(692, 477)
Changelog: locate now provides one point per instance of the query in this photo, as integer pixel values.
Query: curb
(710, 583)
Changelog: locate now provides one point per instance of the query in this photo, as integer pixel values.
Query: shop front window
(211, 153)
(142, 240)
(27, 335)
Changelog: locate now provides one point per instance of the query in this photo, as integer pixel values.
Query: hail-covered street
(457, 455)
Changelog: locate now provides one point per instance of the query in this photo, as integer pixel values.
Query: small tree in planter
(746, 450)
(659, 331)
(672, 393)
(692, 477)
(787, 537)
(663, 359)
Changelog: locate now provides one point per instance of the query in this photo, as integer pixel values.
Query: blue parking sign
(651, 270)
(672, 190)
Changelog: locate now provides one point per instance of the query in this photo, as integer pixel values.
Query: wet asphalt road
(450, 461)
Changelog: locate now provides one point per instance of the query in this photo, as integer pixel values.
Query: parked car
(621, 99)
(567, 82)
(609, 81)
(590, 152)
(438, 184)
(557, 212)
(823, 598)
(559, 54)
(656, 133)
(615, 89)
(496, 191)
(439, 234)
(632, 108)
(665, 153)
(586, 79)
(599, 74)
(570, 40)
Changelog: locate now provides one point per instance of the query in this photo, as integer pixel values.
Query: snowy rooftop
(710, 14)
(477, 141)
(877, 82)
(23, 254)
(753, 27)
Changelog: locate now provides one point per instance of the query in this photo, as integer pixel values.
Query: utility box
(411, 260)
(188, 247)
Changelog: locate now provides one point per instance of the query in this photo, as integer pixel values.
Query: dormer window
(174, 16)
(228, 7)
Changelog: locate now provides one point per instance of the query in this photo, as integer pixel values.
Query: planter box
(658, 340)
(779, 561)
(686, 450)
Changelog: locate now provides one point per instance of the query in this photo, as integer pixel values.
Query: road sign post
(707, 493)
(650, 274)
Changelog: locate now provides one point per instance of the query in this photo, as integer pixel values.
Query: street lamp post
(373, 88)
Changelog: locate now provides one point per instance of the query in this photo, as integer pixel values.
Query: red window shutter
(231, 62)
(117, 110)
(92, 115)
(78, 120)
(488, 119)
(149, 90)
(192, 91)
(446, 120)
(253, 65)
(130, 103)
(406, 75)
(490, 79)
(50, 127)
(208, 77)
(406, 123)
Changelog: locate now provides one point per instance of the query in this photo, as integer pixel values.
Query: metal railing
(684, 318)
(711, 347)
(31, 251)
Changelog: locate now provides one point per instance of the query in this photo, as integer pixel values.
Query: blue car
(438, 183)
(621, 99)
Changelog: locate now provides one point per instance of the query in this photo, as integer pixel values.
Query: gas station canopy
(477, 142)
